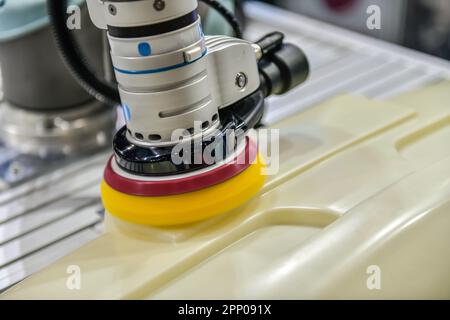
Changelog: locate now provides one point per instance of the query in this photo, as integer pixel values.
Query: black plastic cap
(284, 69)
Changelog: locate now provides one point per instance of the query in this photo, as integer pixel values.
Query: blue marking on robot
(152, 71)
(126, 112)
(144, 49)
(200, 30)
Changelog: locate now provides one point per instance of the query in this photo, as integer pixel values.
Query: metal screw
(112, 9)
(241, 80)
(159, 5)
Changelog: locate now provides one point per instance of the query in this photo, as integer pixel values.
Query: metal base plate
(49, 134)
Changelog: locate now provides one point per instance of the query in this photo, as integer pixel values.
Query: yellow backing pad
(188, 207)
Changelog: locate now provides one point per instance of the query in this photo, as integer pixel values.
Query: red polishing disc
(185, 184)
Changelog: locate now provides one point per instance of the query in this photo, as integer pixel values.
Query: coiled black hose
(74, 58)
(76, 61)
(227, 15)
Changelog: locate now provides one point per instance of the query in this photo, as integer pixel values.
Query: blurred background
(423, 25)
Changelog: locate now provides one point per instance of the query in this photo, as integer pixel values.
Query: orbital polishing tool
(190, 102)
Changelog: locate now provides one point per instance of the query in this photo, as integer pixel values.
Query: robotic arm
(171, 76)
(169, 73)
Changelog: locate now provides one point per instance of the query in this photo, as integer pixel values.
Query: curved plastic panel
(354, 197)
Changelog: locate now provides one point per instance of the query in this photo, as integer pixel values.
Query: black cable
(227, 14)
(76, 62)
(74, 58)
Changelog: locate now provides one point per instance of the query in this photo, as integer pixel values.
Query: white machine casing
(182, 77)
